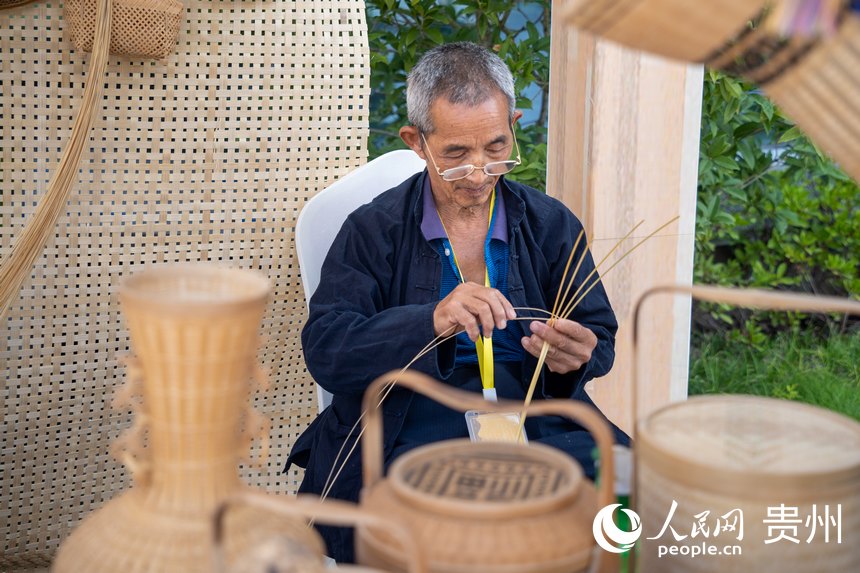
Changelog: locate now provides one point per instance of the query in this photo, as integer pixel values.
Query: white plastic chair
(323, 216)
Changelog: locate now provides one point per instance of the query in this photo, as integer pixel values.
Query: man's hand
(570, 344)
(474, 308)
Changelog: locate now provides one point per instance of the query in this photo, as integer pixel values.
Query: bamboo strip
(17, 266)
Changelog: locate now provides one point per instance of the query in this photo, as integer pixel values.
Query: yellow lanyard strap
(483, 345)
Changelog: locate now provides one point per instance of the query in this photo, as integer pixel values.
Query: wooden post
(623, 146)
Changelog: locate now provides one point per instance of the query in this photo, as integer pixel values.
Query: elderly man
(456, 248)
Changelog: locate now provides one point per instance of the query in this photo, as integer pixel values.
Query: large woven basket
(484, 507)
(763, 465)
(817, 86)
(139, 28)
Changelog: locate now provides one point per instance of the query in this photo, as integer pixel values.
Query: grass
(824, 372)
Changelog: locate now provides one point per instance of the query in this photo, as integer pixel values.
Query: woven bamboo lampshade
(813, 78)
(206, 155)
(778, 479)
(679, 29)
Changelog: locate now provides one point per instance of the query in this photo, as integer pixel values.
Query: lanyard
(483, 345)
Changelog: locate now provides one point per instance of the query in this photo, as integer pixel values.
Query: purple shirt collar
(431, 225)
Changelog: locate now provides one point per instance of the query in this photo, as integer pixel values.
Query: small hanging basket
(140, 28)
(12, 3)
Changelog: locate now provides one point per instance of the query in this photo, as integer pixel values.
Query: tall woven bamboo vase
(779, 480)
(813, 78)
(194, 330)
(484, 507)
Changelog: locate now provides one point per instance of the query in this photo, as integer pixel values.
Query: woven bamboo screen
(208, 154)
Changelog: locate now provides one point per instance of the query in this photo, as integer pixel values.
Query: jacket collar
(512, 191)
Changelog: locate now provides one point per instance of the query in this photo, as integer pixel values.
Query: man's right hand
(473, 308)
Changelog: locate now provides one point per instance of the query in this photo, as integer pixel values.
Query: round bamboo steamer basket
(679, 29)
(721, 453)
(487, 506)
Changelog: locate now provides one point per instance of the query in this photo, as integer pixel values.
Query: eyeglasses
(493, 169)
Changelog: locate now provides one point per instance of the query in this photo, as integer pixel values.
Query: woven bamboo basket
(139, 28)
(194, 329)
(679, 29)
(816, 84)
(774, 464)
(813, 79)
(481, 507)
(285, 555)
(13, 3)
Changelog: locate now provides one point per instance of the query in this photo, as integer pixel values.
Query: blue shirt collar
(431, 225)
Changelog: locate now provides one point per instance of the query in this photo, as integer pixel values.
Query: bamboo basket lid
(485, 481)
(746, 446)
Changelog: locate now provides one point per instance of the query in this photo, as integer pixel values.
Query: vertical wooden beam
(623, 147)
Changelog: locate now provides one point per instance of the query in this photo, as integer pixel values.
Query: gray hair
(463, 73)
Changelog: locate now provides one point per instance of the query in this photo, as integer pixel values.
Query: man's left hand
(570, 344)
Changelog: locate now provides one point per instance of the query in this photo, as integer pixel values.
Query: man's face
(467, 135)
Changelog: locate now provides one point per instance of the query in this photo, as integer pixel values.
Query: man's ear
(518, 113)
(412, 137)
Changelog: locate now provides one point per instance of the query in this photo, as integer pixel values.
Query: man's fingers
(573, 329)
(543, 331)
(478, 309)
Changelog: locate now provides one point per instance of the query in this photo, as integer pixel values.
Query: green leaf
(767, 108)
(746, 129)
(726, 163)
(791, 135)
(435, 34)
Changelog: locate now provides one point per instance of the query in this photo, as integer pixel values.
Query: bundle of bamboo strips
(15, 269)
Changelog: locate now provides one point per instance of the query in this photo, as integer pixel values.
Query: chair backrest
(322, 217)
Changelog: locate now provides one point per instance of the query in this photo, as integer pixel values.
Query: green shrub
(772, 210)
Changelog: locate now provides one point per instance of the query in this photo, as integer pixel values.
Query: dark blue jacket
(373, 312)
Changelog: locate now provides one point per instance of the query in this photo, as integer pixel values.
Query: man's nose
(477, 177)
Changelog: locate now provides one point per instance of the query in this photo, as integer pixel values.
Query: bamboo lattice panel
(207, 155)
